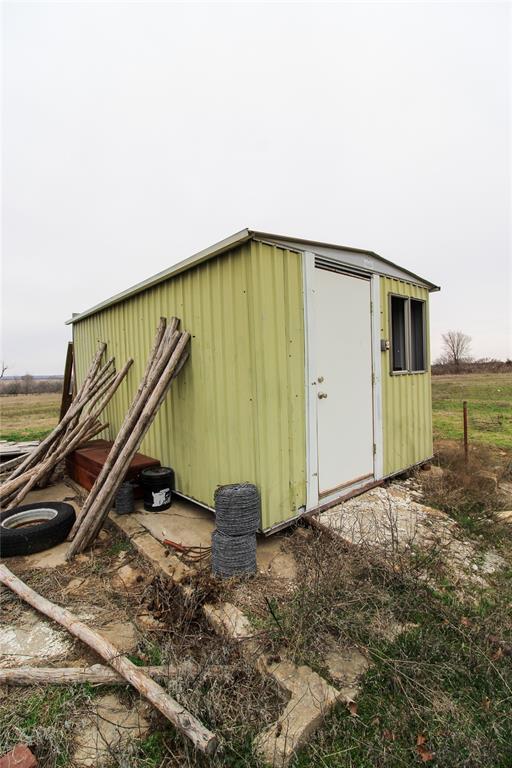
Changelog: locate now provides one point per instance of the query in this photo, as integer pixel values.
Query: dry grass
(489, 396)
(28, 417)
(470, 493)
(446, 679)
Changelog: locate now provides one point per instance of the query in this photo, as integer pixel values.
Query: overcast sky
(134, 135)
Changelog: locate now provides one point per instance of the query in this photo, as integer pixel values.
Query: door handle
(322, 395)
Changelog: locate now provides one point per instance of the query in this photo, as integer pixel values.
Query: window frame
(408, 334)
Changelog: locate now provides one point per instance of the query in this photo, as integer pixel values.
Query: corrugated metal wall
(406, 397)
(237, 410)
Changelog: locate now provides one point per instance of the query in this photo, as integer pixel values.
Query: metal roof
(290, 243)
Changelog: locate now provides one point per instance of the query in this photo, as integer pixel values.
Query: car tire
(34, 527)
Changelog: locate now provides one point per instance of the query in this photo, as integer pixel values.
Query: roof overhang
(289, 243)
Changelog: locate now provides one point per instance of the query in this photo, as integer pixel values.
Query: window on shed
(417, 335)
(398, 333)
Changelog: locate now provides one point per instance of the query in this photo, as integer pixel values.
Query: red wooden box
(85, 464)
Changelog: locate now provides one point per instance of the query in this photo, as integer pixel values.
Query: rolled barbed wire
(233, 555)
(237, 509)
(124, 499)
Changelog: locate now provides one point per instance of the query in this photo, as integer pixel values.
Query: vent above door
(321, 262)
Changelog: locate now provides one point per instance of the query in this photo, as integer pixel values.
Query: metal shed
(309, 372)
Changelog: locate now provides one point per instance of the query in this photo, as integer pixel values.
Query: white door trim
(378, 459)
(311, 404)
(308, 271)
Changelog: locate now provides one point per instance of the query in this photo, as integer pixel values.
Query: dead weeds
(471, 493)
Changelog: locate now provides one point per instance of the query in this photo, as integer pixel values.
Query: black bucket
(157, 485)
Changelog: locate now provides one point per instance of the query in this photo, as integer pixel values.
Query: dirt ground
(114, 591)
(413, 603)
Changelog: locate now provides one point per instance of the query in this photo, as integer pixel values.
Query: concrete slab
(273, 559)
(31, 639)
(390, 518)
(122, 634)
(160, 558)
(109, 725)
(49, 558)
(185, 522)
(190, 524)
(62, 491)
(311, 698)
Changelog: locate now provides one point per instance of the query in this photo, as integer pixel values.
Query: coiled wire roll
(237, 509)
(233, 555)
(124, 499)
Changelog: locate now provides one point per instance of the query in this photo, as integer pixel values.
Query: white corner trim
(308, 275)
(378, 462)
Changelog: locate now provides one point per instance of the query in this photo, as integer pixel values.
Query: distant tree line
(28, 385)
(482, 365)
(456, 358)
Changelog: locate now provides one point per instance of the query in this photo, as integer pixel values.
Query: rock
(74, 586)
(148, 621)
(128, 578)
(109, 726)
(228, 620)
(19, 757)
(435, 471)
(346, 666)
(122, 634)
(493, 562)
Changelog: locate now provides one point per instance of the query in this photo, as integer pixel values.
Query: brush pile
(79, 424)
(167, 357)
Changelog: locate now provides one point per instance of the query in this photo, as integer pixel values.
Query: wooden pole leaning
(92, 521)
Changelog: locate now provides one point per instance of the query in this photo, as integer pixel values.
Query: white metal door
(344, 381)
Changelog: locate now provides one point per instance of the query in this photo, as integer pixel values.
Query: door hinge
(374, 449)
(373, 379)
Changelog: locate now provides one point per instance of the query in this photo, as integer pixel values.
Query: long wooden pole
(121, 435)
(184, 721)
(89, 430)
(97, 674)
(72, 438)
(66, 384)
(465, 423)
(74, 409)
(92, 522)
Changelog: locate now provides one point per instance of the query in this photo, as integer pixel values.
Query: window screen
(417, 336)
(398, 333)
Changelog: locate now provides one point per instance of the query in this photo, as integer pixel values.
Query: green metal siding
(237, 410)
(406, 397)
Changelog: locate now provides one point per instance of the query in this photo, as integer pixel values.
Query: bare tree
(4, 368)
(456, 347)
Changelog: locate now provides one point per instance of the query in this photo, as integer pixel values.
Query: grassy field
(489, 396)
(28, 417)
(489, 399)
